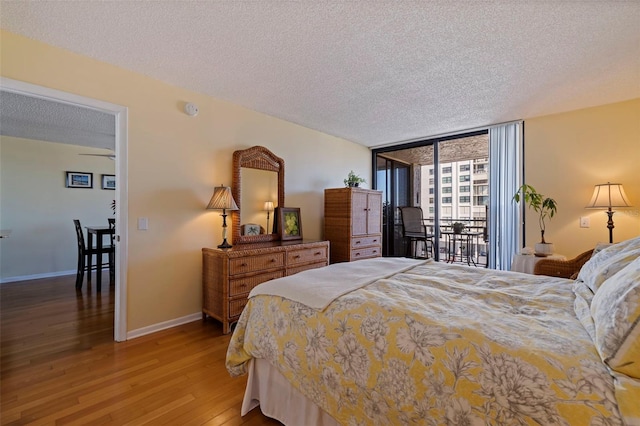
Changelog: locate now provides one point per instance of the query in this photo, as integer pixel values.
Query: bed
(403, 341)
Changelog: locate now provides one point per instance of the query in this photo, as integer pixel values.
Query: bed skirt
(277, 399)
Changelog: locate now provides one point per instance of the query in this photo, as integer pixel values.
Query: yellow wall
(174, 163)
(176, 160)
(567, 154)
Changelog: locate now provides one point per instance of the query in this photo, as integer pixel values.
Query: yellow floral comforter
(437, 344)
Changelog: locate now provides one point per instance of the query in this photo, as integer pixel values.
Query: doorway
(120, 115)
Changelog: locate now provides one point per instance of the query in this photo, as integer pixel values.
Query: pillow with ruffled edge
(608, 261)
(582, 307)
(615, 309)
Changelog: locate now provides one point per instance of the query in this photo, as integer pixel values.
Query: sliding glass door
(448, 178)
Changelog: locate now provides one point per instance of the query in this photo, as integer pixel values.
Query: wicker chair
(562, 268)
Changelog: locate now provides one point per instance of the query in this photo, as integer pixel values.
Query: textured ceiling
(39, 119)
(373, 72)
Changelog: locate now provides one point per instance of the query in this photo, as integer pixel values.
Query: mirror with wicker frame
(260, 158)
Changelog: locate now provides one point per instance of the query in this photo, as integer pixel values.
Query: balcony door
(447, 177)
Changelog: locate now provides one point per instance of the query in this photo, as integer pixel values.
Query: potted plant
(458, 227)
(353, 180)
(545, 207)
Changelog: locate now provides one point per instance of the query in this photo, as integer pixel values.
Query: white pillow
(608, 261)
(615, 309)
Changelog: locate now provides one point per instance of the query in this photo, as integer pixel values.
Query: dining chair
(84, 254)
(414, 230)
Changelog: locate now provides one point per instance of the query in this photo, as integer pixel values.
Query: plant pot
(543, 249)
(458, 228)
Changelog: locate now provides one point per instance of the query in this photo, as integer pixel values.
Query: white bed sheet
(277, 399)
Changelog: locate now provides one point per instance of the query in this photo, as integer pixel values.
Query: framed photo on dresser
(289, 223)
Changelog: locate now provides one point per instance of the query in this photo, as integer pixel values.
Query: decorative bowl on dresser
(353, 223)
(229, 274)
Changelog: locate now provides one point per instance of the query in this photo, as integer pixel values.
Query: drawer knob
(318, 253)
(297, 256)
(358, 242)
(243, 264)
(272, 260)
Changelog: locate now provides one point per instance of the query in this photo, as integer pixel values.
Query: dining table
(99, 232)
(464, 242)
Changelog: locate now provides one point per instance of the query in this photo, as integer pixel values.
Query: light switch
(143, 223)
(584, 222)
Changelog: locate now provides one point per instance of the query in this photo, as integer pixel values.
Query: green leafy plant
(353, 179)
(545, 207)
(458, 227)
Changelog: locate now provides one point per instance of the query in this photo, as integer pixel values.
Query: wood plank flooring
(59, 364)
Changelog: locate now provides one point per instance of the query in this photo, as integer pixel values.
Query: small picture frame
(289, 223)
(109, 182)
(251, 229)
(79, 180)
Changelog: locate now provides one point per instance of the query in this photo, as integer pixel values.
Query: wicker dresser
(228, 275)
(353, 223)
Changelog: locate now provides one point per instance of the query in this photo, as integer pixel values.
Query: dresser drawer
(357, 242)
(256, 263)
(236, 306)
(240, 286)
(365, 253)
(306, 255)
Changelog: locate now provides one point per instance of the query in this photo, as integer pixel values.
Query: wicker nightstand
(527, 262)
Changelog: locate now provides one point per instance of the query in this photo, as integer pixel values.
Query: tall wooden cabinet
(353, 223)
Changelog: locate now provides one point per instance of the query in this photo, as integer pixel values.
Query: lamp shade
(222, 199)
(268, 206)
(608, 195)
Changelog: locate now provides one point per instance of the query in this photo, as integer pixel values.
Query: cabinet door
(374, 210)
(359, 212)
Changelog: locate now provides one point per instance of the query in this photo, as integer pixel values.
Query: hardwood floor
(60, 365)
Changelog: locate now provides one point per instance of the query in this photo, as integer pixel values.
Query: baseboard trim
(163, 325)
(37, 276)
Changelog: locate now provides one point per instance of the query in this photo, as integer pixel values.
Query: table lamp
(223, 200)
(268, 207)
(605, 196)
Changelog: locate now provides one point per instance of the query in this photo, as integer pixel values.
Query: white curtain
(505, 177)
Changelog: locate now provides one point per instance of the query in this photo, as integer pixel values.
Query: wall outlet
(584, 222)
(143, 223)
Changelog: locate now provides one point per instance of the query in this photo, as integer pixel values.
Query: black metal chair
(84, 254)
(414, 230)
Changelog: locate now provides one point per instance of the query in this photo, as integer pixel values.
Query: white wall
(39, 209)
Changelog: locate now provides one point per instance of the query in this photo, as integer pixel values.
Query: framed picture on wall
(290, 223)
(108, 182)
(79, 180)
